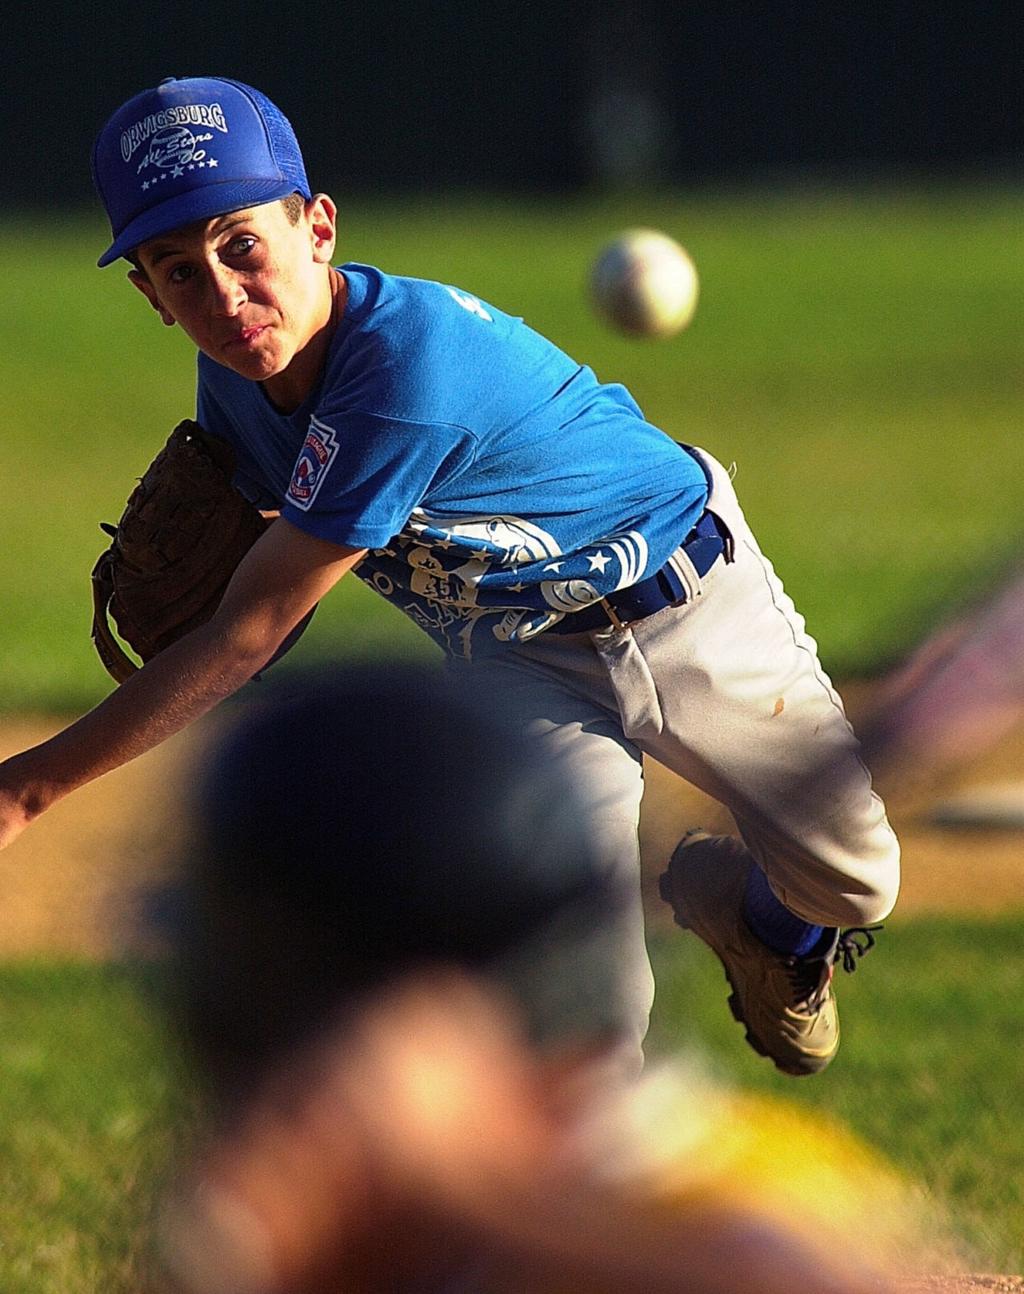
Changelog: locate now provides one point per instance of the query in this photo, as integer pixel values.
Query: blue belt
(665, 588)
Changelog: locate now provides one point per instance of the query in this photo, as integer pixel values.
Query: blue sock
(773, 923)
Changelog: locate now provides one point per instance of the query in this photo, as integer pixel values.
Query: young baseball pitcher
(599, 577)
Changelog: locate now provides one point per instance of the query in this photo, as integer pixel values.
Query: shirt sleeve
(359, 476)
(248, 480)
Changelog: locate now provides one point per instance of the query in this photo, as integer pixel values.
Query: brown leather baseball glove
(182, 534)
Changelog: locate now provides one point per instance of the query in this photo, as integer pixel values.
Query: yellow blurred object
(697, 1145)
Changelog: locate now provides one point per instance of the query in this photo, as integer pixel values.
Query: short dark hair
(294, 205)
(376, 823)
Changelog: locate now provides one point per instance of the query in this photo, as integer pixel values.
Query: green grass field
(856, 352)
(92, 1099)
(92, 1103)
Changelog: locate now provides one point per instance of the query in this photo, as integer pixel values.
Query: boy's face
(248, 287)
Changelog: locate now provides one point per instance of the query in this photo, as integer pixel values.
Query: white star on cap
(178, 170)
(211, 163)
(598, 561)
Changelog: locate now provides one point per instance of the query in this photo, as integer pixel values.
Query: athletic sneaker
(786, 1002)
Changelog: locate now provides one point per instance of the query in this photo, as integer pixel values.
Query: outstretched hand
(14, 816)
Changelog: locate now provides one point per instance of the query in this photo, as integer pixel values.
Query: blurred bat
(960, 691)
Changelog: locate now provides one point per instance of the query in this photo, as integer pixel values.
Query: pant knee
(864, 909)
(848, 889)
(869, 896)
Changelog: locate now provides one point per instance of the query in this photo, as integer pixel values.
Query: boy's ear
(142, 282)
(323, 222)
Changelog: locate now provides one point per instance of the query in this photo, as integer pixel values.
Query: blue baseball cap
(189, 150)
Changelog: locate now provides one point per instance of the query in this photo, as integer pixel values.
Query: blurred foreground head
(361, 836)
(363, 825)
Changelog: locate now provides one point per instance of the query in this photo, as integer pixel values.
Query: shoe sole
(735, 1008)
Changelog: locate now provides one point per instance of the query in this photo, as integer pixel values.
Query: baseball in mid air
(644, 284)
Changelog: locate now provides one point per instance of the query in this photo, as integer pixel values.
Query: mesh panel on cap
(281, 136)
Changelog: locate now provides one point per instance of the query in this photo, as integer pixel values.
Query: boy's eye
(180, 273)
(242, 245)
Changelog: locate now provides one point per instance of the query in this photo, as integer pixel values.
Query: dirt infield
(963, 1285)
(70, 883)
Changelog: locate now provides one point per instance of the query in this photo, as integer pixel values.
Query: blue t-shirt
(496, 483)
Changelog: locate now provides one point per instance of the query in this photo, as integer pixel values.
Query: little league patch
(317, 454)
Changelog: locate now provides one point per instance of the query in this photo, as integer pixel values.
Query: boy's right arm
(282, 577)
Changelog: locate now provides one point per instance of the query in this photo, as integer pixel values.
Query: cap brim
(197, 204)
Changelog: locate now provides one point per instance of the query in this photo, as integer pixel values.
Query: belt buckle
(610, 612)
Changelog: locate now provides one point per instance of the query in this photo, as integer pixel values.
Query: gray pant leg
(727, 691)
(548, 692)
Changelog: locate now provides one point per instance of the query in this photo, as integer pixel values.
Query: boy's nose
(228, 292)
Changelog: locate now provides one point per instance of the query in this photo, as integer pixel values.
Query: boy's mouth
(247, 335)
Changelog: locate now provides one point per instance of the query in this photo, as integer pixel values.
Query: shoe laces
(811, 976)
(850, 949)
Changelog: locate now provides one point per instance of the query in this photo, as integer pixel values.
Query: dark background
(394, 95)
